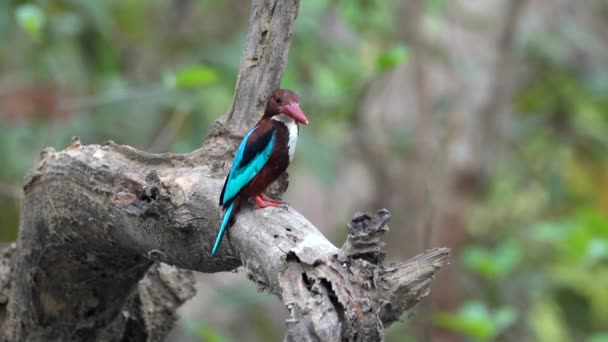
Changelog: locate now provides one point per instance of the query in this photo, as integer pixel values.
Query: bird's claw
(266, 198)
(264, 201)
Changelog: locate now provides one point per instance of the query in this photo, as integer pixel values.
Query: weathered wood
(263, 61)
(100, 226)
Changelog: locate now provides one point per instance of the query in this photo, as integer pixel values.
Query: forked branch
(100, 226)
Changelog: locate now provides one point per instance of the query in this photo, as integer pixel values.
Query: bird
(262, 156)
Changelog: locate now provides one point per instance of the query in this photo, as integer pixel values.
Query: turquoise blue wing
(251, 156)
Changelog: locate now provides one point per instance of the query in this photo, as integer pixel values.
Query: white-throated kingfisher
(263, 155)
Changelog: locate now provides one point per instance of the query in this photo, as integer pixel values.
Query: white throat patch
(292, 127)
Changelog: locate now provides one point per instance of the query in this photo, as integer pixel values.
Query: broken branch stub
(98, 222)
(364, 233)
(351, 294)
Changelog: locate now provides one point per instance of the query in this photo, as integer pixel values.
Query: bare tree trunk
(101, 226)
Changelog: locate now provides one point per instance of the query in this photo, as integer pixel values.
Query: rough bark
(101, 226)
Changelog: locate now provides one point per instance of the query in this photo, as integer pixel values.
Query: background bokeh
(481, 124)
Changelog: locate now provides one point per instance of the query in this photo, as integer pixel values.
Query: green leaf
(479, 261)
(586, 241)
(595, 221)
(474, 309)
(504, 317)
(204, 332)
(192, 77)
(597, 250)
(31, 18)
(550, 231)
(507, 256)
(476, 321)
(472, 320)
(477, 328)
(547, 322)
(493, 264)
(392, 58)
(599, 337)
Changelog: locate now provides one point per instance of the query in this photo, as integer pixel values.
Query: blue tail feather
(220, 234)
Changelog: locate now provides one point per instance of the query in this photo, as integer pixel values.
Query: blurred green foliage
(540, 235)
(205, 333)
(392, 58)
(192, 77)
(155, 74)
(493, 264)
(31, 19)
(474, 320)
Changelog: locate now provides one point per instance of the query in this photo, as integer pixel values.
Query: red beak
(293, 110)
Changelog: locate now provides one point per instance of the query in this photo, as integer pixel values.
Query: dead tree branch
(100, 226)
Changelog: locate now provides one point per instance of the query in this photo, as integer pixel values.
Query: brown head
(283, 101)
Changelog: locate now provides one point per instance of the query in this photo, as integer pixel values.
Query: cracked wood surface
(109, 235)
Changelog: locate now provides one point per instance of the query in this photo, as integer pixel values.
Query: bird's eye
(278, 100)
